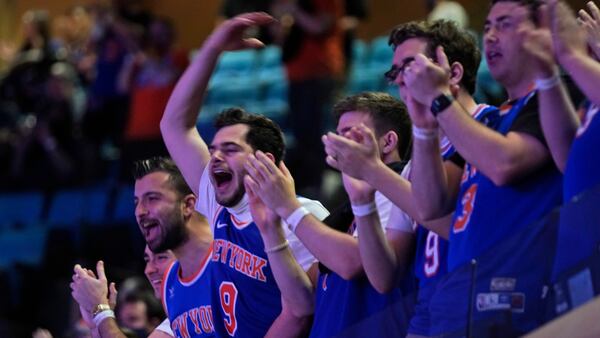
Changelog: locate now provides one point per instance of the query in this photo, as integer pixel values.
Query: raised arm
(502, 158)
(336, 250)
(297, 291)
(178, 124)
(557, 115)
(384, 254)
(419, 203)
(571, 49)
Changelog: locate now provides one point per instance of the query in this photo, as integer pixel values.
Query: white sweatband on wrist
(424, 134)
(364, 209)
(102, 316)
(278, 247)
(547, 83)
(295, 217)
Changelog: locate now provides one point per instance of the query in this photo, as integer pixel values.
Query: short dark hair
(386, 112)
(263, 134)
(532, 6)
(142, 168)
(459, 45)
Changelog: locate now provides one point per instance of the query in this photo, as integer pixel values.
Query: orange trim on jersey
(479, 108)
(164, 287)
(214, 220)
(201, 268)
(238, 224)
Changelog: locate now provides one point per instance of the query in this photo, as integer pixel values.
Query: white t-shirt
(390, 216)
(208, 206)
(165, 327)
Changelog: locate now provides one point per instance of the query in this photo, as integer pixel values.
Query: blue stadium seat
(360, 52)
(235, 92)
(124, 207)
(21, 208)
(25, 246)
(381, 52)
(237, 61)
(70, 208)
(270, 57)
(365, 79)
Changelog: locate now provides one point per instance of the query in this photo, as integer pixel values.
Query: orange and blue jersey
(187, 301)
(431, 264)
(429, 267)
(486, 216)
(245, 297)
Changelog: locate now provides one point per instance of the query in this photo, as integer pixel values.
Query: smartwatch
(440, 103)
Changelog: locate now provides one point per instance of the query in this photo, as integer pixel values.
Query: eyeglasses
(396, 70)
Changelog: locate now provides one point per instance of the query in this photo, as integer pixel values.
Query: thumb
(442, 58)
(253, 43)
(112, 295)
(100, 271)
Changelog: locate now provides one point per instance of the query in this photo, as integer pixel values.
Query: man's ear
(189, 204)
(388, 142)
(270, 156)
(456, 73)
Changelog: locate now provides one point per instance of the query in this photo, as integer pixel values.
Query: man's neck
(391, 157)
(192, 253)
(466, 101)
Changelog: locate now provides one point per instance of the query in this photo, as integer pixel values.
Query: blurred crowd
(92, 91)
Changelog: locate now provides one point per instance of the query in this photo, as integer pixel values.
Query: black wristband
(440, 103)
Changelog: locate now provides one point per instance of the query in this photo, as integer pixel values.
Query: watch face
(440, 103)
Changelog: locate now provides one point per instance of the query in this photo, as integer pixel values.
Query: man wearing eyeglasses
(498, 247)
(408, 40)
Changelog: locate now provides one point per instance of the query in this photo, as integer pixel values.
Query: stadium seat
(381, 52)
(123, 211)
(270, 57)
(25, 246)
(21, 209)
(70, 208)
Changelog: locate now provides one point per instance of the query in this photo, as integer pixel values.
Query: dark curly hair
(532, 6)
(142, 168)
(263, 134)
(387, 113)
(459, 45)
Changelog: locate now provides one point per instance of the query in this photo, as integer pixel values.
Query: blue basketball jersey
(511, 282)
(481, 113)
(486, 214)
(353, 308)
(430, 266)
(431, 253)
(583, 165)
(187, 302)
(241, 279)
(582, 173)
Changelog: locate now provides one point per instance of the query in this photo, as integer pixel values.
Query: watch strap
(440, 103)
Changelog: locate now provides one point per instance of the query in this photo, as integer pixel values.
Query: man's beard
(233, 200)
(174, 235)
